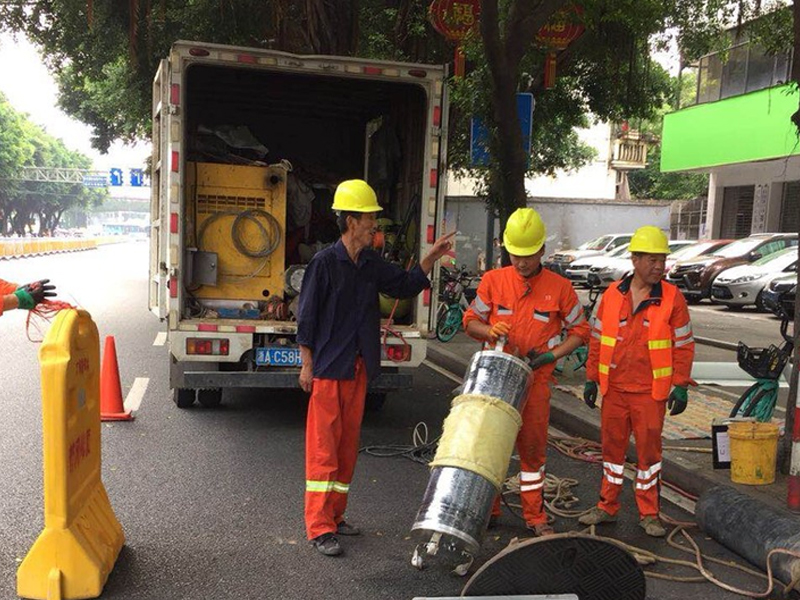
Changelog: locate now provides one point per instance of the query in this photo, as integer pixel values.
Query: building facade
(739, 131)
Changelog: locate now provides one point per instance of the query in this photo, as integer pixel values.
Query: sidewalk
(691, 471)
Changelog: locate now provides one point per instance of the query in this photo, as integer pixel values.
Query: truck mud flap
(385, 382)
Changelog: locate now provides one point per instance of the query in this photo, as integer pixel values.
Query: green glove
(590, 393)
(540, 360)
(677, 400)
(26, 301)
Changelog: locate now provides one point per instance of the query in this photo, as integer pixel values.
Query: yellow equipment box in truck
(248, 147)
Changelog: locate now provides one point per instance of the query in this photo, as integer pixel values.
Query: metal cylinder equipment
(473, 456)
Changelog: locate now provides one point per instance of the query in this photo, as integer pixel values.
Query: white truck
(248, 147)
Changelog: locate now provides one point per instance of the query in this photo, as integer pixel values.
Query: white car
(578, 271)
(743, 285)
(563, 259)
(618, 266)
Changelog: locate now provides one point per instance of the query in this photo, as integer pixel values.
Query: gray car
(743, 285)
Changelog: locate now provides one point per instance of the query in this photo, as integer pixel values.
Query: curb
(571, 416)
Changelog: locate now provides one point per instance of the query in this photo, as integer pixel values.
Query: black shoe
(327, 544)
(344, 528)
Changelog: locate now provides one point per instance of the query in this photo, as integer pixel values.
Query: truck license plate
(278, 356)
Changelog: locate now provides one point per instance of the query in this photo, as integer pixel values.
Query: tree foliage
(105, 56)
(22, 203)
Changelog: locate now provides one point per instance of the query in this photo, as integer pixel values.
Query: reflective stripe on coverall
(538, 308)
(333, 428)
(643, 353)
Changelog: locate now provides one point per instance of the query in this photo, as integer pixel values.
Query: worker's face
(649, 268)
(527, 265)
(363, 229)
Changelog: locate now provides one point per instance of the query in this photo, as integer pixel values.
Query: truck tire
(183, 397)
(210, 398)
(375, 401)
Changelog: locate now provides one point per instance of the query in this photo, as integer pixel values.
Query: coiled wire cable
(269, 239)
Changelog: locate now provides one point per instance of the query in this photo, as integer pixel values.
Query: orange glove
(501, 328)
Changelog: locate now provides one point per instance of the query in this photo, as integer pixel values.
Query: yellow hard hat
(650, 240)
(525, 232)
(355, 195)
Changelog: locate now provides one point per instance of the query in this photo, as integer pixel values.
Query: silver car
(578, 271)
(743, 285)
(619, 266)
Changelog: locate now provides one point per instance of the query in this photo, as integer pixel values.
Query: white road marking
(161, 338)
(722, 314)
(135, 395)
(442, 371)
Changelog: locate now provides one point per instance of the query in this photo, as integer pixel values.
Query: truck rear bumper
(384, 382)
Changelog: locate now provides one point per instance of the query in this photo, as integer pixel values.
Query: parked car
(579, 270)
(742, 285)
(694, 250)
(782, 287)
(561, 260)
(695, 276)
(619, 266)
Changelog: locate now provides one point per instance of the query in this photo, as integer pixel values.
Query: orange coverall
(538, 309)
(629, 403)
(6, 288)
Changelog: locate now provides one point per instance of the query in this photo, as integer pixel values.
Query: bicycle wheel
(448, 324)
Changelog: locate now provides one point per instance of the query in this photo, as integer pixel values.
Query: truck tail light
(398, 352)
(207, 346)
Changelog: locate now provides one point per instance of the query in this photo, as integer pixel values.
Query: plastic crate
(762, 363)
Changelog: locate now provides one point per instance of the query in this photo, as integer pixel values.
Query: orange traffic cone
(111, 408)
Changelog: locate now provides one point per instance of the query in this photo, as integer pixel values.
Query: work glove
(590, 394)
(678, 400)
(540, 360)
(498, 330)
(31, 294)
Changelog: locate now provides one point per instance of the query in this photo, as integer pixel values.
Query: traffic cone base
(111, 407)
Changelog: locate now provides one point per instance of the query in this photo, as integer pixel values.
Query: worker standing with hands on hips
(530, 306)
(640, 358)
(338, 330)
(26, 296)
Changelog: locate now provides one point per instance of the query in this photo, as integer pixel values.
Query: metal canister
(458, 501)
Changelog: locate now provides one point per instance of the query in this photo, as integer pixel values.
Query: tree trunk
(504, 54)
(331, 26)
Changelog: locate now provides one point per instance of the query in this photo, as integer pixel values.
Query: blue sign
(479, 134)
(95, 181)
(116, 176)
(137, 177)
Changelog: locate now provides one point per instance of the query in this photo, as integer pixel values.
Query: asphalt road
(211, 499)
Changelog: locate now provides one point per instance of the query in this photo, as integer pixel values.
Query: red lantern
(454, 19)
(563, 29)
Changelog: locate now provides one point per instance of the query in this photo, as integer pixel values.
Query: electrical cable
(420, 451)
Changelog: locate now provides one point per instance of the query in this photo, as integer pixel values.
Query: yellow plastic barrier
(754, 452)
(82, 538)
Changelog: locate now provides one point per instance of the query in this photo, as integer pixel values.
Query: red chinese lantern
(563, 29)
(454, 19)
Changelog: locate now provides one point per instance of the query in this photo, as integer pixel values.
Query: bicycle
(455, 296)
(766, 365)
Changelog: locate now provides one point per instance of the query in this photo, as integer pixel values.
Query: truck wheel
(375, 401)
(183, 397)
(210, 398)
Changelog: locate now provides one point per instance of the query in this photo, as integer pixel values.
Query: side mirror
(755, 255)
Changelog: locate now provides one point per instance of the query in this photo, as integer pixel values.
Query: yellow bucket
(754, 451)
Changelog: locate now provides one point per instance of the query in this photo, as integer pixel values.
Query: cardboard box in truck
(248, 147)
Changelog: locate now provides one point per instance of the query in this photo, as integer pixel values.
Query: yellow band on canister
(479, 435)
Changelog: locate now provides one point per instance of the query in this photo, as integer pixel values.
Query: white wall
(594, 181)
(767, 176)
